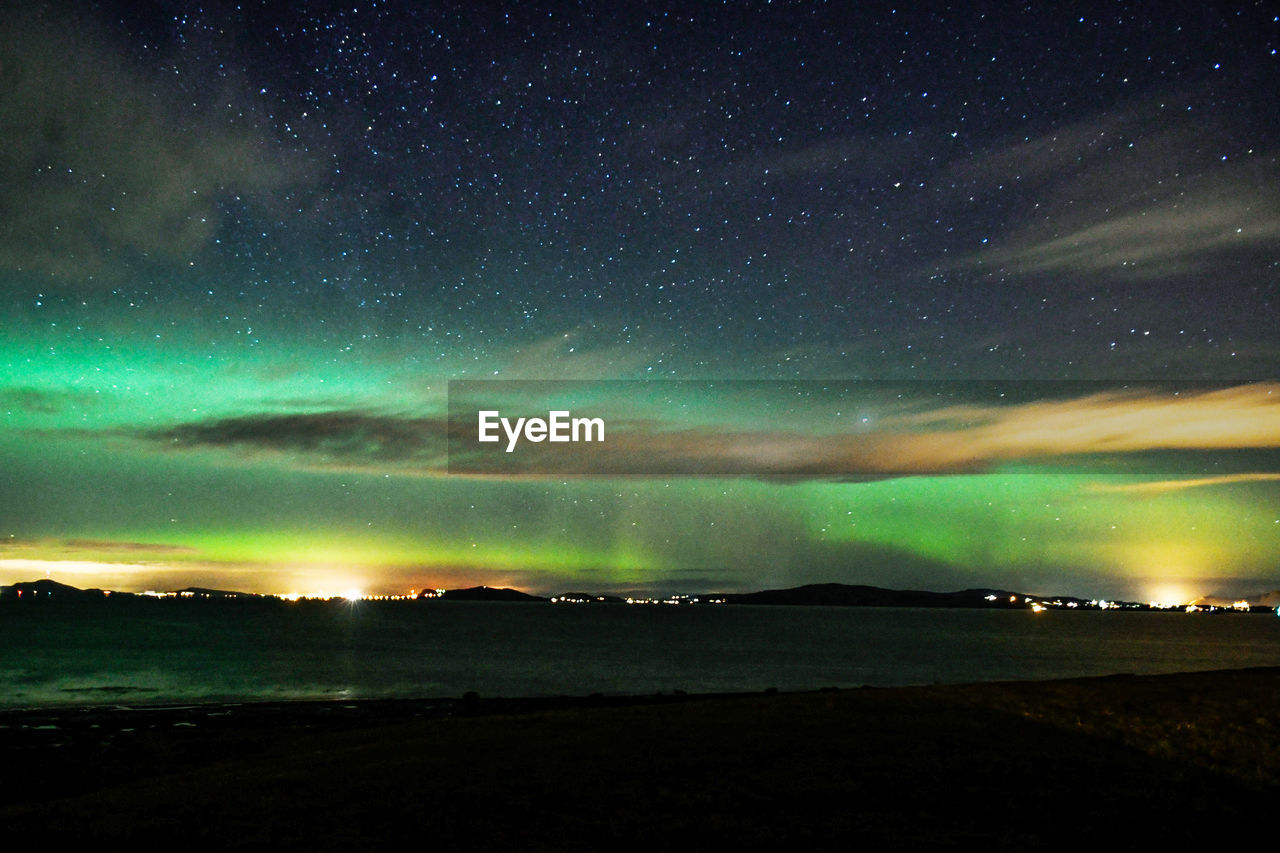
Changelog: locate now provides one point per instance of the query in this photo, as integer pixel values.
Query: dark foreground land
(998, 766)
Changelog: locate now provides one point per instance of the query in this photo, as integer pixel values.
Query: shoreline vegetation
(1020, 765)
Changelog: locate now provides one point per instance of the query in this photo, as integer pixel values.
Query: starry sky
(909, 297)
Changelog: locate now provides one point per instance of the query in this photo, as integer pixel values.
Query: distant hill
(851, 595)
(488, 593)
(49, 589)
(202, 592)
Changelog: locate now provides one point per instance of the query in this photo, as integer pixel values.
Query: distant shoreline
(47, 591)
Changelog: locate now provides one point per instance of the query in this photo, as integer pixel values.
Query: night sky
(244, 247)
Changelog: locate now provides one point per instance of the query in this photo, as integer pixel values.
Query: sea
(180, 652)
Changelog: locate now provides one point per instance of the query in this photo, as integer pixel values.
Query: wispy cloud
(947, 439)
(573, 355)
(1237, 417)
(104, 163)
(339, 439)
(1159, 487)
(1145, 191)
(1172, 237)
(43, 401)
(96, 549)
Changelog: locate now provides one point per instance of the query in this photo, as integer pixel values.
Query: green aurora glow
(240, 261)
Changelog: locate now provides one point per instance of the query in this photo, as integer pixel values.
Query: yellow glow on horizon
(1172, 594)
(81, 572)
(140, 577)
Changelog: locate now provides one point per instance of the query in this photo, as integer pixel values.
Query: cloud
(1160, 487)
(107, 163)
(1150, 243)
(1236, 417)
(1147, 191)
(950, 439)
(572, 355)
(96, 549)
(331, 439)
(43, 401)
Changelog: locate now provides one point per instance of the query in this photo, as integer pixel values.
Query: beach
(1025, 765)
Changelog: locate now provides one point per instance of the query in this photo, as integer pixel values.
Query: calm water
(174, 653)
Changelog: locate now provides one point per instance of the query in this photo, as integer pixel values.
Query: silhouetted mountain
(45, 589)
(848, 595)
(488, 593)
(202, 592)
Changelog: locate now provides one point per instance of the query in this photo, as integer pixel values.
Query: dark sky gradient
(244, 246)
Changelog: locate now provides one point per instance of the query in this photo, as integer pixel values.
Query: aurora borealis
(244, 249)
